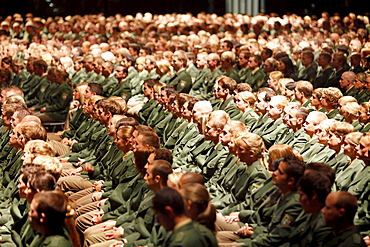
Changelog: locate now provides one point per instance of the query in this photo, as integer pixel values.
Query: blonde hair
(51, 165)
(352, 108)
(252, 142)
(248, 97)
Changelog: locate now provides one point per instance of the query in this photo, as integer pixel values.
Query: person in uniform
(339, 212)
(169, 208)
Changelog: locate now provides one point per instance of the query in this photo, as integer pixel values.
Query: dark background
(45, 8)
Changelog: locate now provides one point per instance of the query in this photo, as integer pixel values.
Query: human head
(351, 140)
(330, 97)
(224, 87)
(157, 174)
(168, 204)
(278, 151)
(363, 148)
(250, 147)
(313, 188)
(289, 171)
(340, 209)
(198, 204)
(312, 122)
(347, 79)
(245, 100)
(303, 91)
(276, 106)
(34, 148)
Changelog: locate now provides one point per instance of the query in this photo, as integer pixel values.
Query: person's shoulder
(56, 241)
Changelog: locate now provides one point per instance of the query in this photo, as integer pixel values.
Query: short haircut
(32, 131)
(162, 168)
(150, 138)
(96, 88)
(168, 197)
(226, 83)
(304, 87)
(348, 202)
(295, 167)
(322, 168)
(315, 181)
(163, 154)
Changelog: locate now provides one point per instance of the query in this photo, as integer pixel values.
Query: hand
(97, 186)
(76, 171)
(32, 109)
(101, 202)
(96, 196)
(231, 219)
(108, 225)
(43, 109)
(88, 167)
(117, 244)
(246, 231)
(65, 141)
(96, 220)
(117, 232)
(367, 240)
(64, 160)
(80, 161)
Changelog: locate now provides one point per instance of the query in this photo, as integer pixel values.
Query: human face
(225, 63)
(349, 149)
(34, 216)
(14, 138)
(322, 136)
(309, 125)
(177, 64)
(22, 187)
(334, 141)
(364, 116)
(164, 220)
(306, 202)
(244, 153)
(298, 95)
(76, 94)
(6, 121)
(111, 127)
(210, 131)
(150, 179)
(88, 93)
(240, 103)
(331, 213)
(362, 149)
(272, 83)
(273, 111)
(281, 66)
(315, 101)
(27, 158)
(243, 61)
(267, 67)
(279, 176)
(261, 104)
(252, 63)
(290, 118)
(321, 61)
(344, 83)
(146, 90)
(226, 135)
(103, 116)
(359, 85)
(219, 92)
(119, 74)
(120, 142)
(306, 61)
(186, 113)
(30, 193)
(3, 96)
(201, 61)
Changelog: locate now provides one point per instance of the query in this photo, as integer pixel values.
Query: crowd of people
(184, 130)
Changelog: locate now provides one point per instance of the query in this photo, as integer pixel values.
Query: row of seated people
(201, 139)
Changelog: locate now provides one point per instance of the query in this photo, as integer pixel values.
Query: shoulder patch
(287, 220)
(183, 83)
(254, 187)
(43, 88)
(64, 96)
